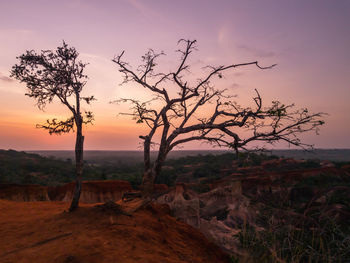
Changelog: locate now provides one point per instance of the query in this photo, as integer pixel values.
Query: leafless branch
(176, 116)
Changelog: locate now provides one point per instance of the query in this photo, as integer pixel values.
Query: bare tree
(175, 117)
(58, 74)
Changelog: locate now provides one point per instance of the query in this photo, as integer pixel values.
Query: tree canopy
(58, 74)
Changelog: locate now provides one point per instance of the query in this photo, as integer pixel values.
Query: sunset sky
(309, 40)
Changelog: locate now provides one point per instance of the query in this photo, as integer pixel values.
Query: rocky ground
(305, 201)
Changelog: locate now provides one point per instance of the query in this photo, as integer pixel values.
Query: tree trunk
(147, 179)
(146, 152)
(150, 175)
(79, 147)
(147, 184)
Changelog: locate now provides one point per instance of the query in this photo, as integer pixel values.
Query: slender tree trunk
(158, 164)
(79, 147)
(146, 153)
(150, 175)
(147, 179)
(147, 183)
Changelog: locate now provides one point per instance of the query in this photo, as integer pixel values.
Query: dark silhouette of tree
(58, 74)
(175, 116)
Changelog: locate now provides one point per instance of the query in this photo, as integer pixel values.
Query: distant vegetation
(24, 168)
(29, 168)
(337, 155)
(208, 167)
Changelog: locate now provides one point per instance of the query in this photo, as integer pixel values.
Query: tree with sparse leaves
(175, 116)
(58, 74)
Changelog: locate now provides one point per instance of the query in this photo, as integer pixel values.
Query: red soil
(21, 193)
(42, 232)
(92, 191)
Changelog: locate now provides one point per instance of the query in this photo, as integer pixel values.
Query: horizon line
(284, 149)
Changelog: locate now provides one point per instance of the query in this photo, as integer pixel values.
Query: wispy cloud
(5, 78)
(257, 52)
(16, 32)
(238, 74)
(94, 57)
(234, 86)
(145, 10)
(224, 35)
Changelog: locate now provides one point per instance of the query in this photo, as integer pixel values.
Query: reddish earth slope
(92, 191)
(27, 193)
(42, 232)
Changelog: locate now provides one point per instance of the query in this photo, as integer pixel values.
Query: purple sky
(309, 40)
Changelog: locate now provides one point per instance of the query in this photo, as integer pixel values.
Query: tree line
(173, 112)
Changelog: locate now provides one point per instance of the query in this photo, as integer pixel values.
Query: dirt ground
(44, 232)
